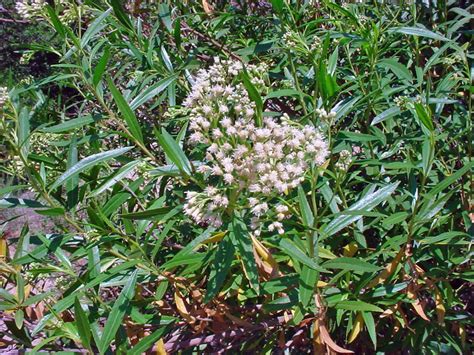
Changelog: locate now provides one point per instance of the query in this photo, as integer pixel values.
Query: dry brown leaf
(326, 338)
(181, 307)
(387, 313)
(318, 344)
(238, 321)
(207, 8)
(356, 328)
(265, 269)
(417, 306)
(385, 274)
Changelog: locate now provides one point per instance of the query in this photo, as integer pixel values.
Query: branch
(174, 344)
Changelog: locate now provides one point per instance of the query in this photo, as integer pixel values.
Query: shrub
(242, 176)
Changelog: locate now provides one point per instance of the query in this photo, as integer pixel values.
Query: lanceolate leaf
(352, 264)
(151, 92)
(357, 306)
(87, 163)
(174, 152)
(220, 267)
(147, 342)
(119, 309)
(70, 124)
(82, 324)
(366, 203)
(419, 32)
(306, 213)
(126, 111)
(121, 174)
(291, 249)
(242, 241)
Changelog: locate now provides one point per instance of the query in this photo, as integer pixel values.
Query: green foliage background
(373, 259)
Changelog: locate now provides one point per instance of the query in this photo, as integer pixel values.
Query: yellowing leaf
(266, 256)
(160, 347)
(440, 309)
(321, 284)
(385, 274)
(181, 307)
(3, 249)
(350, 249)
(215, 238)
(356, 328)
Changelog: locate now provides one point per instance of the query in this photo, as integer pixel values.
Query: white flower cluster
(30, 8)
(345, 160)
(269, 159)
(206, 207)
(325, 116)
(316, 45)
(3, 95)
(262, 161)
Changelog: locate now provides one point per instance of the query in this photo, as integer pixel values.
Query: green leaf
(165, 15)
(277, 5)
(24, 131)
(306, 213)
(419, 32)
(292, 250)
(69, 124)
(151, 214)
(82, 324)
(282, 93)
(101, 65)
(72, 186)
(352, 264)
(87, 163)
(332, 62)
(446, 182)
(327, 83)
(370, 324)
(243, 243)
(391, 112)
(254, 96)
(174, 152)
(151, 92)
(19, 318)
(58, 26)
(220, 267)
(366, 203)
(428, 155)
(51, 212)
(443, 238)
(398, 69)
(308, 279)
(423, 116)
(119, 309)
(147, 342)
(96, 26)
(127, 112)
(120, 14)
(357, 306)
(118, 176)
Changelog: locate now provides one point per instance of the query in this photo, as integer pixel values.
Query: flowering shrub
(241, 176)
